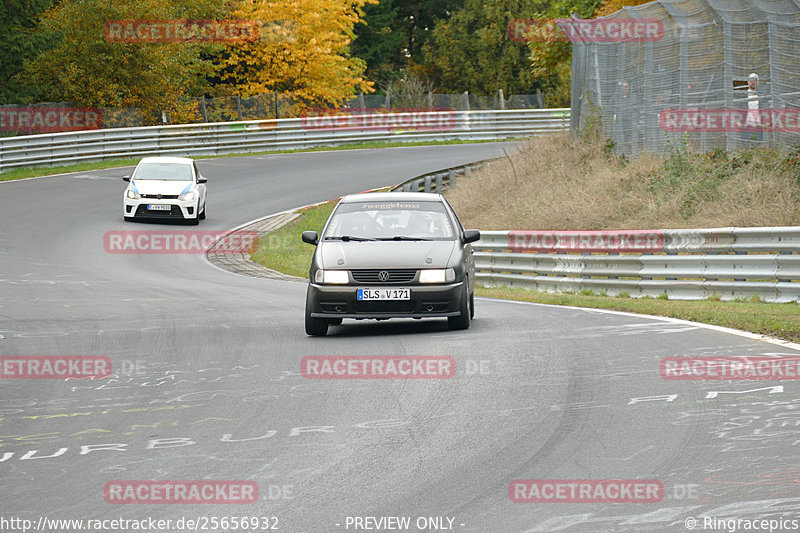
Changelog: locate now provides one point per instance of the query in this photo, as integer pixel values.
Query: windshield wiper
(347, 238)
(403, 238)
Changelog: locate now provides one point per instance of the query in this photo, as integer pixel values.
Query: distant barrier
(267, 135)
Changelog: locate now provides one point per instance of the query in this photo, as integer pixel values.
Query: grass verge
(284, 251)
(776, 320)
(34, 172)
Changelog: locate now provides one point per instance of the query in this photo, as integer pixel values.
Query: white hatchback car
(165, 187)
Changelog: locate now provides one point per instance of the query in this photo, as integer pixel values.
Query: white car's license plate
(159, 207)
(384, 294)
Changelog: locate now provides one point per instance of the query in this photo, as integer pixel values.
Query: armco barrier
(732, 263)
(264, 135)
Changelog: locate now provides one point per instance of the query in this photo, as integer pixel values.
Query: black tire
(462, 321)
(316, 327)
(203, 214)
(472, 306)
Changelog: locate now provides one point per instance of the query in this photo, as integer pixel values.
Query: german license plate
(384, 294)
(159, 207)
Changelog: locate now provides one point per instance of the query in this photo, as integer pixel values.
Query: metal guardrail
(265, 135)
(440, 180)
(731, 263)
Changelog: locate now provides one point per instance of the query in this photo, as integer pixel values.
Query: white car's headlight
(133, 195)
(335, 277)
(187, 196)
(439, 275)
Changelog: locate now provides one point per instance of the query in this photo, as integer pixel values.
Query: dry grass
(561, 183)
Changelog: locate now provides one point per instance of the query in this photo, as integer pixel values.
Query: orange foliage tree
(303, 51)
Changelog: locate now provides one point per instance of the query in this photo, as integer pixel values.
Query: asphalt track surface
(206, 383)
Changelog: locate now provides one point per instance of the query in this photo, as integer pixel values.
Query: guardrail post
(451, 175)
(439, 183)
(428, 183)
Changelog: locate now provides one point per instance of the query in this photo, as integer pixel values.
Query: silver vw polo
(391, 255)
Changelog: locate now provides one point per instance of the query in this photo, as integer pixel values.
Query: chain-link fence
(55, 117)
(720, 74)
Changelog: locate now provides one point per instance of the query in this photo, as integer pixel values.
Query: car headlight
(335, 277)
(438, 275)
(133, 195)
(187, 196)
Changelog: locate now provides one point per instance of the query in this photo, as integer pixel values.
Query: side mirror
(471, 235)
(202, 179)
(126, 178)
(311, 237)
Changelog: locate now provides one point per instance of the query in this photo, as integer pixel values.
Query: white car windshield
(391, 221)
(163, 171)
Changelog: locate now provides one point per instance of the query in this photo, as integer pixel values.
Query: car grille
(386, 306)
(174, 211)
(374, 276)
(161, 196)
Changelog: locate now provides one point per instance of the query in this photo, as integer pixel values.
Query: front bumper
(178, 209)
(427, 301)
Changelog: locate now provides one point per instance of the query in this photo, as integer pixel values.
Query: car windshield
(163, 171)
(390, 221)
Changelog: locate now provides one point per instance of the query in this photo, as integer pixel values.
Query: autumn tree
(85, 68)
(472, 52)
(612, 6)
(551, 62)
(303, 52)
(19, 42)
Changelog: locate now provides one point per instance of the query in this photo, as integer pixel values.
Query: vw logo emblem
(159, 197)
(383, 275)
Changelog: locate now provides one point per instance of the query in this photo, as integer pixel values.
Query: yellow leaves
(612, 6)
(311, 63)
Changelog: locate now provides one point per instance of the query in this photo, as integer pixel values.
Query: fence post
(502, 99)
(239, 106)
(275, 96)
(465, 100)
(203, 108)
